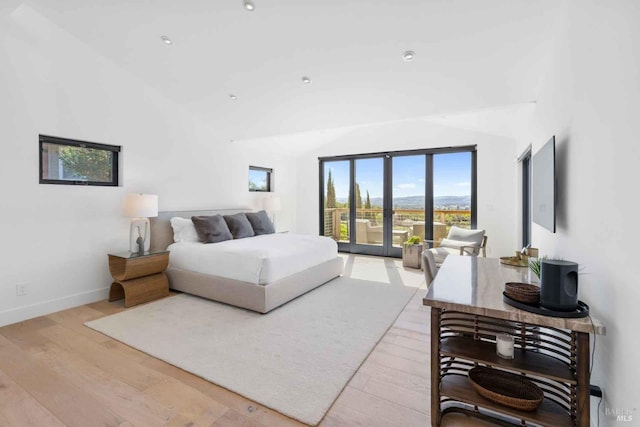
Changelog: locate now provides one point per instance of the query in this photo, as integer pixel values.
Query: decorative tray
(505, 388)
(513, 261)
(581, 311)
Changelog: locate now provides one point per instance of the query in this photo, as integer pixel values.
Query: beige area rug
(295, 359)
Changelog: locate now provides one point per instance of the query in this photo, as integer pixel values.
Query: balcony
(406, 223)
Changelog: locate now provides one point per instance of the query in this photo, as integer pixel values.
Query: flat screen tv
(543, 186)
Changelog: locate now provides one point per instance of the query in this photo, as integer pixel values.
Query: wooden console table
(467, 312)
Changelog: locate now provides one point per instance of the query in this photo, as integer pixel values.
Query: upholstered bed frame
(260, 298)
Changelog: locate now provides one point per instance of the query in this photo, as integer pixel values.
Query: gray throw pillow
(260, 223)
(211, 229)
(239, 225)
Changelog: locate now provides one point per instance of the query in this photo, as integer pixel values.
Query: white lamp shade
(272, 204)
(141, 206)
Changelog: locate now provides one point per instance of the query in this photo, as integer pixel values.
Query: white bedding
(261, 259)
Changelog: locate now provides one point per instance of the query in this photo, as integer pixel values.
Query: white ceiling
(471, 54)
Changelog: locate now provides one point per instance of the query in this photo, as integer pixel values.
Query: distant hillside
(417, 202)
(464, 202)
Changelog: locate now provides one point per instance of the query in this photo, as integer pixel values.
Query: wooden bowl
(505, 388)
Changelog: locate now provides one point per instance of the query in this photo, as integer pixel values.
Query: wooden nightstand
(138, 278)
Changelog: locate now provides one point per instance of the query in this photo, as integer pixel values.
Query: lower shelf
(549, 413)
(140, 290)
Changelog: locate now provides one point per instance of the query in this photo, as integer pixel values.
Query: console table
(467, 312)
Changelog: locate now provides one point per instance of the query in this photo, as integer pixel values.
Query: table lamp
(271, 205)
(140, 207)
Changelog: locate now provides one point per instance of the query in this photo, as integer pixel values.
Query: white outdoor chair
(460, 241)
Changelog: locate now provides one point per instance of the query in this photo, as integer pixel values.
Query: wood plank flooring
(56, 372)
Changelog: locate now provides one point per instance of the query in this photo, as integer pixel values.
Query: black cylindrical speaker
(558, 285)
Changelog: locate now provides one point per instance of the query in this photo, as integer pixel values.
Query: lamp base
(139, 227)
(273, 220)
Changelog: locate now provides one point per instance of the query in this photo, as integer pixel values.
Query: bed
(257, 273)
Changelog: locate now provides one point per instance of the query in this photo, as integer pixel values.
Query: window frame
(269, 172)
(525, 169)
(114, 149)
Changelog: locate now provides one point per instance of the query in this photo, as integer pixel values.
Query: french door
(372, 203)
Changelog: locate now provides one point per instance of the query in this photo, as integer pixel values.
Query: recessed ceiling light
(232, 96)
(166, 39)
(409, 55)
(248, 4)
(306, 80)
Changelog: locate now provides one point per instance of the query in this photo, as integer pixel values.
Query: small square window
(259, 178)
(71, 162)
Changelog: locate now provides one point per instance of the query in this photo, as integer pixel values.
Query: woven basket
(523, 292)
(512, 390)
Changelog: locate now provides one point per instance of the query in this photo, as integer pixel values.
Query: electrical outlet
(22, 289)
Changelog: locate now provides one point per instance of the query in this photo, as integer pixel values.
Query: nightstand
(138, 278)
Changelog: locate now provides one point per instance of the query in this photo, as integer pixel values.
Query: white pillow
(183, 230)
(470, 248)
(465, 235)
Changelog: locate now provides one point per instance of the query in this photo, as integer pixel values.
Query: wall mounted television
(543, 186)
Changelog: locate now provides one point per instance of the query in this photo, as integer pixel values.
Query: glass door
(369, 206)
(372, 203)
(452, 192)
(335, 220)
(408, 188)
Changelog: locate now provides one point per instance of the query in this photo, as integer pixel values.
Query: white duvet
(260, 259)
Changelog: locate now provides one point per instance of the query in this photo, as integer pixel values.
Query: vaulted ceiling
(470, 55)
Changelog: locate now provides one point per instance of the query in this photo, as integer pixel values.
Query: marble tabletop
(474, 285)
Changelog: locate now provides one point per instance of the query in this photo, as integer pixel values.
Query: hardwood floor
(54, 371)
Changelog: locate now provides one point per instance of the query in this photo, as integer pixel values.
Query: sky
(258, 177)
(451, 175)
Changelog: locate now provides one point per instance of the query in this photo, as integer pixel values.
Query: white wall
(589, 100)
(496, 176)
(55, 238)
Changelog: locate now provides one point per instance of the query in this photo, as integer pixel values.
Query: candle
(504, 346)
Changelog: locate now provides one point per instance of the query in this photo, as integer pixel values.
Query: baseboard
(25, 312)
